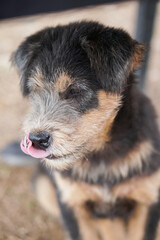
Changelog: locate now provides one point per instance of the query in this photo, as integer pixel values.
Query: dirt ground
(21, 217)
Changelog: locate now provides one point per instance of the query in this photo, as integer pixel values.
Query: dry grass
(20, 215)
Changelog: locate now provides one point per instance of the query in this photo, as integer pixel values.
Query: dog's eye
(72, 93)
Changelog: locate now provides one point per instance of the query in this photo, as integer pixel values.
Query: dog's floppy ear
(113, 55)
(24, 56)
(138, 55)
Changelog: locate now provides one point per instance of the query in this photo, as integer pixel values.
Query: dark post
(144, 30)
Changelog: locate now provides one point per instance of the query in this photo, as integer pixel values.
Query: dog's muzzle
(36, 145)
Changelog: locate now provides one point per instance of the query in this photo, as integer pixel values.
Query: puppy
(95, 130)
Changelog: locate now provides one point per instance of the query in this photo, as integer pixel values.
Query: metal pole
(144, 30)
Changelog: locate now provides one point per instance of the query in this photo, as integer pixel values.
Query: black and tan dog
(94, 129)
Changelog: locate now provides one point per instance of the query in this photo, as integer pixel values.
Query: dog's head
(75, 77)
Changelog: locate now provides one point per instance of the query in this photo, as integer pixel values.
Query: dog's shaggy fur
(104, 155)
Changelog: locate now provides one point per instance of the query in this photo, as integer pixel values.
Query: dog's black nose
(40, 140)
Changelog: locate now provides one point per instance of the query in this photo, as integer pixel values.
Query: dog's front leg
(78, 223)
(70, 221)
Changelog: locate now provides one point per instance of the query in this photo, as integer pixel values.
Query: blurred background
(21, 217)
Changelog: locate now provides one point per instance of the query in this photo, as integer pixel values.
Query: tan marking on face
(137, 223)
(94, 126)
(63, 82)
(37, 81)
(143, 190)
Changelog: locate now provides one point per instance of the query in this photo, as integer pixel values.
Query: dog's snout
(40, 140)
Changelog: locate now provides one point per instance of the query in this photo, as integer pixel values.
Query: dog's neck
(130, 152)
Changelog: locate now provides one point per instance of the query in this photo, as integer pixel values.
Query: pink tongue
(26, 147)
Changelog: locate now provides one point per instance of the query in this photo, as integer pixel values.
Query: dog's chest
(121, 208)
(96, 200)
(78, 193)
